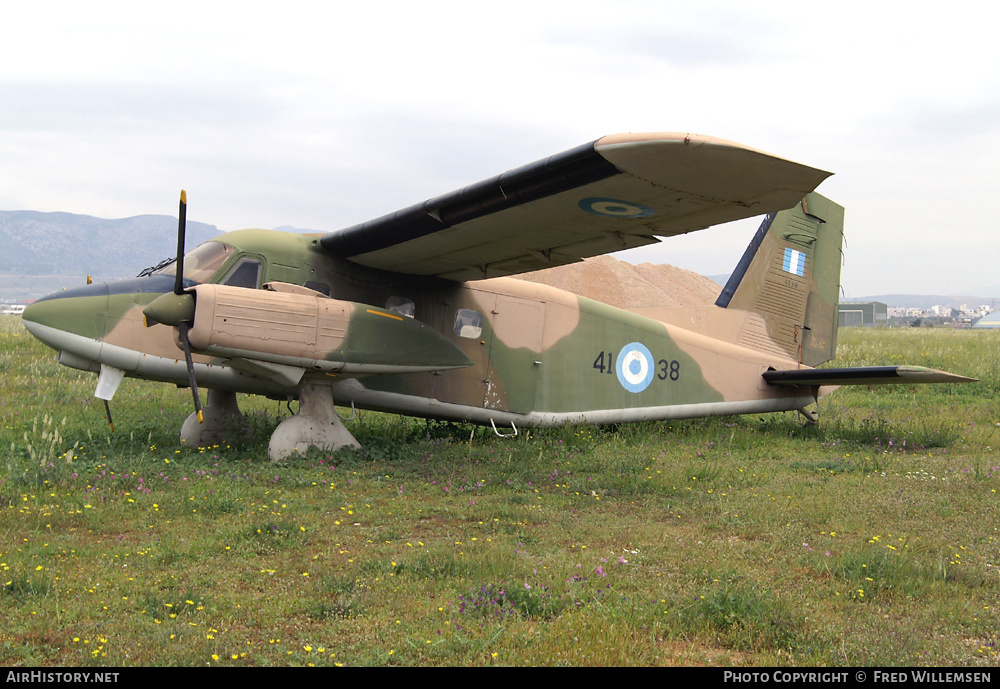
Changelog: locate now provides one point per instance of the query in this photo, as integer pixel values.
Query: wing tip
(686, 138)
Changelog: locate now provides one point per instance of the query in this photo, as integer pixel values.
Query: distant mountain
(44, 252)
(991, 291)
(34, 243)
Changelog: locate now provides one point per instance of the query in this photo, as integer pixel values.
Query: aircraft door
(464, 323)
(515, 354)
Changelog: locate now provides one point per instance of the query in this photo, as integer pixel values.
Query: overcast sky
(322, 115)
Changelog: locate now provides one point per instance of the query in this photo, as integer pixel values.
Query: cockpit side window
(246, 273)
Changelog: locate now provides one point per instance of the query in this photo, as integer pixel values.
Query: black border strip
(744, 265)
(552, 175)
(823, 376)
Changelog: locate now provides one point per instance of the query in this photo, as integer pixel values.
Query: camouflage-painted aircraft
(413, 313)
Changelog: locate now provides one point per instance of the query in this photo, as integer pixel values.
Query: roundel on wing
(634, 367)
(615, 208)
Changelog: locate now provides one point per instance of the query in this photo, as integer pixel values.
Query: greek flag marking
(795, 262)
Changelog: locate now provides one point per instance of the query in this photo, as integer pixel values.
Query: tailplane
(788, 282)
(783, 300)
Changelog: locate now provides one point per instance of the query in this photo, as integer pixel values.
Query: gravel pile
(628, 286)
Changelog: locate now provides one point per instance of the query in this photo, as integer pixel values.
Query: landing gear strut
(222, 422)
(316, 425)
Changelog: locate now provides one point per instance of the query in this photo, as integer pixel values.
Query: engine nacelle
(299, 327)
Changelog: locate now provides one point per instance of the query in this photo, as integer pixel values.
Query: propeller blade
(183, 328)
(177, 308)
(181, 228)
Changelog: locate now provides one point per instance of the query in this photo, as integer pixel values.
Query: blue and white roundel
(615, 208)
(634, 367)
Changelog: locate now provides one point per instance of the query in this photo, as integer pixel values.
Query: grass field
(871, 539)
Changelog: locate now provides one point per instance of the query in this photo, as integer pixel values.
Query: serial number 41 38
(605, 363)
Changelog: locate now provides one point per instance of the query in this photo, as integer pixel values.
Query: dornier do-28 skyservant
(413, 312)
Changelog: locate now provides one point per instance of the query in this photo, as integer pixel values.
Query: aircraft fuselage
(533, 354)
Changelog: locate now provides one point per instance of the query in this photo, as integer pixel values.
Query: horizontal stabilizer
(863, 375)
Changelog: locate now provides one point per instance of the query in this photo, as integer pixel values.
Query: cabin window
(245, 273)
(402, 306)
(468, 323)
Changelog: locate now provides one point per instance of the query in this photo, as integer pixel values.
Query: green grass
(870, 539)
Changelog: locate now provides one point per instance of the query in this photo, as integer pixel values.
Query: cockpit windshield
(201, 263)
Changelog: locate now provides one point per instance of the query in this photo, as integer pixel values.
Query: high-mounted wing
(615, 193)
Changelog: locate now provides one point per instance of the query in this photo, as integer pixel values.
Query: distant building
(863, 314)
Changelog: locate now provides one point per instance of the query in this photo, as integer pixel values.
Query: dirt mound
(628, 286)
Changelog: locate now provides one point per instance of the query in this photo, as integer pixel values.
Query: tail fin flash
(788, 282)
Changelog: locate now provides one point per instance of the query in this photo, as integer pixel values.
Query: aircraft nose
(79, 311)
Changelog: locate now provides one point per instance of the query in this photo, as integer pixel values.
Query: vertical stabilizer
(788, 282)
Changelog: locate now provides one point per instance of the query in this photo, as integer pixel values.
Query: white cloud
(324, 116)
